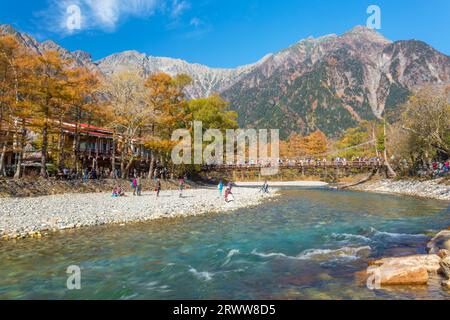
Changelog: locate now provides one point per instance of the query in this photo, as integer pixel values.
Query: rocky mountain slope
(329, 83)
(333, 82)
(206, 81)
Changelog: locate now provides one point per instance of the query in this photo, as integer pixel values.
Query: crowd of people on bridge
(310, 161)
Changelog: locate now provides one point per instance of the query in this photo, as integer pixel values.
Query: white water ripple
(376, 232)
(349, 237)
(230, 255)
(349, 253)
(202, 275)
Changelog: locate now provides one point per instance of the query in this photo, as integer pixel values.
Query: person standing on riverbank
(86, 175)
(158, 187)
(181, 186)
(139, 185)
(229, 197)
(220, 187)
(265, 188)
(134, 185)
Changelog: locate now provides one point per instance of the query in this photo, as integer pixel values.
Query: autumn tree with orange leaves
(83, 101)
(170, 109)
(16, 98)
(313, 145)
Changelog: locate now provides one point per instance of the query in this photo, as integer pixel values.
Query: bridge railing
(297, 165)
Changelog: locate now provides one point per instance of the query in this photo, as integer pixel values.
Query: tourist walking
(181, 186)
(158, 187)
(134, 185)
(265, 188)
(229, 197)
(220, 187)
(139, 185)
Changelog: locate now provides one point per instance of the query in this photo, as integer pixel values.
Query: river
(308, 244)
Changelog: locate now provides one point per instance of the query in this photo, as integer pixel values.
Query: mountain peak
(360, 29)
(7, 29)
(366, 32)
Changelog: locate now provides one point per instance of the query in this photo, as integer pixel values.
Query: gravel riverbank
(433, 189)
(22, 217)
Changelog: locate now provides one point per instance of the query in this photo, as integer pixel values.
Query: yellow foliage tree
(167, 101)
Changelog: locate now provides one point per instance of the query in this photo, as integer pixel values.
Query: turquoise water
(306, 245)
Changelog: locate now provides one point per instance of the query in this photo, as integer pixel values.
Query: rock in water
(410, 270)
(402, 275)
(428, 261)
(440, 241)
(443, 253)
(445, 267)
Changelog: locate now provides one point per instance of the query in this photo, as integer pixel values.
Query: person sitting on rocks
(115, 192)
(228, 195)
(121, 192)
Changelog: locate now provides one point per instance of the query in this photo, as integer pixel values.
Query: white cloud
(107, 14)
(196, 22)
(178, 7)
(198, 28)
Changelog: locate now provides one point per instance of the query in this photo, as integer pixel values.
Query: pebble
(30, 217)
(434, 189)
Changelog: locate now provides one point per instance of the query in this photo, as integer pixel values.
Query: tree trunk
(44, 151)
(113, 155)
(122, 161)
(127, 168)
(152, 165)
(76, 142)
(60, 162)
(76, 149)
(3, 154)
(2, 160)
(23, 131)
(388, 165)
(3, 144)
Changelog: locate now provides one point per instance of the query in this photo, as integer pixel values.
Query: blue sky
(220, 33)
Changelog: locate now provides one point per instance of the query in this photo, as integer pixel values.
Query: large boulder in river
(400, 275)
(427, 261)
(439, 242)
(409, 270)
